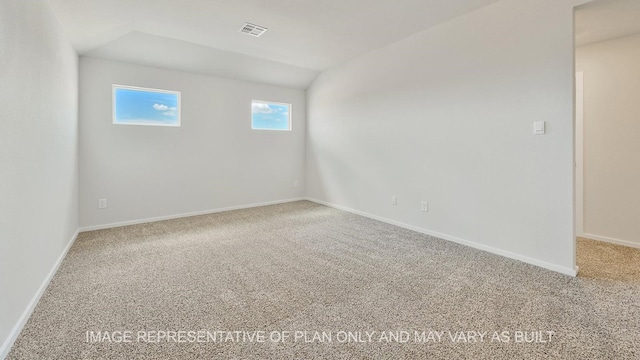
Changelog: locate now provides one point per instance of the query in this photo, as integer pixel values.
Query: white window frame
(137, 88)
(290, 120)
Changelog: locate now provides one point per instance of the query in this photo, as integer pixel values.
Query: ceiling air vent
(253, 29)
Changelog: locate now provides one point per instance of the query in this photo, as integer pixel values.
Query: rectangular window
(141, 106)
(270, 116)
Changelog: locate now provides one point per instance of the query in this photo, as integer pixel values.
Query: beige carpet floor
(274, 272)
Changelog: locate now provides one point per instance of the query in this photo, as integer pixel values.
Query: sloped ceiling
(202, 36)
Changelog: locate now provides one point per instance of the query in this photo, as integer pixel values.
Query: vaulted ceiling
(304, 37)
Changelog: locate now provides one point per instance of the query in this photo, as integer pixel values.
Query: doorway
(607, 128)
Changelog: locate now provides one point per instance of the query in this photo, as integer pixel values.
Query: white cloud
(160, 107)
(261, 108)
(169, 113)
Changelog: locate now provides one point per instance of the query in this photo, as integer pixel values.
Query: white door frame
(579, 159)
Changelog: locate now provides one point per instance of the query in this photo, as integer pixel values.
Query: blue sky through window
(146, 107)
(270, 116)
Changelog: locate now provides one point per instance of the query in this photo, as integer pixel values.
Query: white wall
(446, 116)
(38, 156)
(213, 161)
(611, 132)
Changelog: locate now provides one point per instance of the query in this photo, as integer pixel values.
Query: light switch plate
(539, 127)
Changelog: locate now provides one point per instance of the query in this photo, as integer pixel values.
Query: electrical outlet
(102, 203)
(424, 206)
(394, 200)
(296, 183)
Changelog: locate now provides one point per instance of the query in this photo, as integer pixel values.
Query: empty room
(297, 179)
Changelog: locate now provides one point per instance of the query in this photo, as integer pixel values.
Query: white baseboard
(178, 216)
(13, 335)
(611, 240)
(508, 254)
